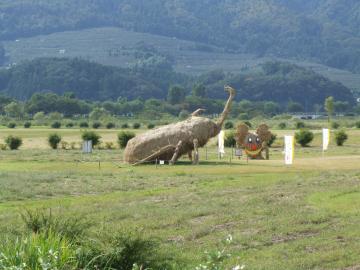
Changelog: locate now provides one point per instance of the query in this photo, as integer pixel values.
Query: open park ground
(304, 216)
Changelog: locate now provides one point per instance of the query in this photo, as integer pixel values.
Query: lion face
(252, 142)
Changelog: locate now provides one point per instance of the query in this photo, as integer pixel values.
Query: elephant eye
(250, 140)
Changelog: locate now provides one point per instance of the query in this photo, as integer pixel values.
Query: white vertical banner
(289, 150)
(221, 139)
(326, 138)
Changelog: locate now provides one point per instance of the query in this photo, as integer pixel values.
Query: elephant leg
(176, 153)
(190, 156)
(196, 152)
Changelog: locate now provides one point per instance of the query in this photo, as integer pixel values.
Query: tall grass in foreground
(59, 243)
(43, 221)
(37, 251)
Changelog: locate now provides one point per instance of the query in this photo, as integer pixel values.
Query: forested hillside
(2, 54)
(324, 30)
(278, 82)
(87, 79)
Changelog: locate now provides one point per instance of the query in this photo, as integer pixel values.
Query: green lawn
(304, 216)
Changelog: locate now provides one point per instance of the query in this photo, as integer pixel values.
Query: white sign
(289, 150)
(238, 152)
(326, 138)
(162, 162)
(87, 147)
(221, 139)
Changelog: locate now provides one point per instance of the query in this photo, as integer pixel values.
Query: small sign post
(238, 152)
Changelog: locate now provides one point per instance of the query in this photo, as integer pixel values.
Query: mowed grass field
(304, 216)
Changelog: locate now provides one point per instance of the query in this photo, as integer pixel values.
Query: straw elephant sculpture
(172, 141)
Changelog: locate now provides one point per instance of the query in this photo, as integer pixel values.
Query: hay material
(241, 133)
(248, 140)
(161, 143)
(264, 133)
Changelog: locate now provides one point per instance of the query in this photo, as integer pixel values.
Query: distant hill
(118, 47)
(318, 30)
(152, 77)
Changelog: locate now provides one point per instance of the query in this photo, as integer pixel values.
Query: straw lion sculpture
(254, 144)
(172, 141)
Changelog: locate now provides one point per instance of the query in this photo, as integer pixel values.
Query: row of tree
(2, 55)
(153, 76)
(178, 103)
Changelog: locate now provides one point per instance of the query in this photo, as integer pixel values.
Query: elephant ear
(264, 133)
(241, 133)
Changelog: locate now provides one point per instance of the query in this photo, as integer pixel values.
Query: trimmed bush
(13, 142)
(84, 125)
(229, 140)
(136, 125)
(27, 124)
(304, 137)
(110, 125)
(124, 137)
(150, 126)
(70, 125)
(56, 124)
(335, 125)
(125, 125)
(54, 140)
(96, 125)
(91, 136)
(229, 125)
(282, 125)
(11, 125)
(299, 125)
(340, 137)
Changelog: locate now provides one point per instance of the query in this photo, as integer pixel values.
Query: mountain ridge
(325, 30)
